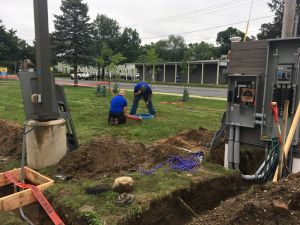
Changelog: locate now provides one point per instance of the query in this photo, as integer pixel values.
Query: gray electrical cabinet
(282, 82)
(241, 107)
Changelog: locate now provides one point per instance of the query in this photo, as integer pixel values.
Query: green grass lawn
(90, 119)
(102, 209)
(90, 113)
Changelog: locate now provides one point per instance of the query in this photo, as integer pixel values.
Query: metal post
(296, 22)
(188, 75)
(143, 72)
(153, 73)
(164, 73)
(175, 72)
(47, 109)
(218, 72)
(288, 18)
(202, 73)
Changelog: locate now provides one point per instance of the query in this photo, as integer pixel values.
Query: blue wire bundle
(178, 163)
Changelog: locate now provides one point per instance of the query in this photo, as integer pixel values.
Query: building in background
(202, 72)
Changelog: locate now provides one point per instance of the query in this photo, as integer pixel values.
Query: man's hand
(137, 93)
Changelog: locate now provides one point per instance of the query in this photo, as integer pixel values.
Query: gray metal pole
(288, 18)
(296, 22)
(47, 109)
(230, 147)
(236, 148)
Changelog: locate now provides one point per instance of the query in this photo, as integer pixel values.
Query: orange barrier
(9, 77)
(70, 83)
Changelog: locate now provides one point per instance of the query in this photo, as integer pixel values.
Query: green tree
(273, 30)
(106, 32)
(129, 44)
(143, 52)
(13, 49)
(116, 60)
(171, 49)
(152, 58)
(223, 38)
(104, 58)
(185, 66)
(72, 35)
(202, 51)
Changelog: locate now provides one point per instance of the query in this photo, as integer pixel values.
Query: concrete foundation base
(46, 144)
(296, 165)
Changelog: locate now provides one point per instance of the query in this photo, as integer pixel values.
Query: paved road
(197, 91)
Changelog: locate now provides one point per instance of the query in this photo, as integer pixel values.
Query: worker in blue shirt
(118, 109)
(142, 90)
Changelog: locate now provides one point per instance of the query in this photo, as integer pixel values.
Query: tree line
(103, 44)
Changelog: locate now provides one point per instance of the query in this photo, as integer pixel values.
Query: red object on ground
(9, 77)
(39, 196)
(275, 111)
(71, 83)
(132, 117)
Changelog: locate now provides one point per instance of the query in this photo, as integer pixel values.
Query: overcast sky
(195, 20)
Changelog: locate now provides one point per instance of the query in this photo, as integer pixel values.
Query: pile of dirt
(271, 204)
(10, 140)
(193, 140)
(107, 155)
(104, 155)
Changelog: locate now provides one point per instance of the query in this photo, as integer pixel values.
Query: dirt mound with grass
(10, 140)
(271, 204)
(190, 140)
(106, 155)
(103, 156)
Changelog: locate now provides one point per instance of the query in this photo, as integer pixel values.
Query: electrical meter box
(284, 73)
(241, 100)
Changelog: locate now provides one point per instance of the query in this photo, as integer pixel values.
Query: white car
(129, 76)
(80, 76)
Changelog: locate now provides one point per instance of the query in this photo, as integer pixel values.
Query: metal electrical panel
(282, 82)
(241, 100)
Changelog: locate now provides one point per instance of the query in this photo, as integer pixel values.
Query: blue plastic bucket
(145, 116)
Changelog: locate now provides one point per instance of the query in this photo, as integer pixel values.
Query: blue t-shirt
(147, 92)
(117, 104)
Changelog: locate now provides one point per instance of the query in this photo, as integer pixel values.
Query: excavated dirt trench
(201, 196)
(106, 156)
(270, 204)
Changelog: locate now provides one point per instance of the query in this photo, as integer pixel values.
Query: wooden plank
(19, 199)
(248, 64)
(248, 57)
(34, 177)
(249, 53)
(250, 45)
(4, 181)
(24, 197)
(290, 137)
(246, 71)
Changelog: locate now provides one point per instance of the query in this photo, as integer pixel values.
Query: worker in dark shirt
(118, 109)
(142, 90)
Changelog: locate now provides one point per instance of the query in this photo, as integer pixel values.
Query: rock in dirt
(10, 140)
(280, 207)
(123, 184)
